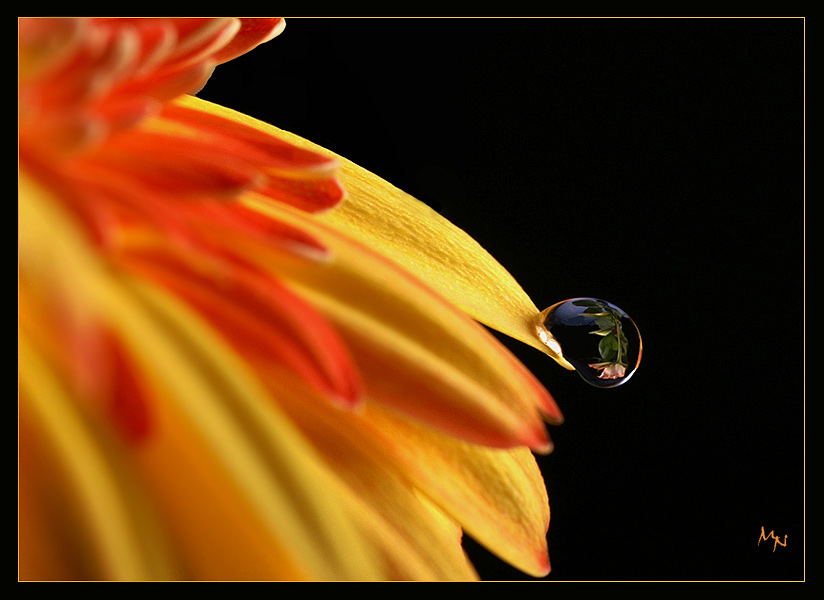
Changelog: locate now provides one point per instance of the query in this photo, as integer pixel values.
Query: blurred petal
(416, 540)
(304, 179)
(110, 536)
(252, 33)
(246, 439)
(495, 495)
(253, 445)
(498, 496)
(269, 326)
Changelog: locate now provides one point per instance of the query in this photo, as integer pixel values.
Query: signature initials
(776, 542)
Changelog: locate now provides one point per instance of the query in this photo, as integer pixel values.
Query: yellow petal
(497, 496)
(280, 477)
(254, 446)
(218, 536)
(405, 230)
(83, 491)
(416, 540)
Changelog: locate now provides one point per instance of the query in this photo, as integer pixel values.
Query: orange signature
(777, 542)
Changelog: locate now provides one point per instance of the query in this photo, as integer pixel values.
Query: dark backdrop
(654, 163)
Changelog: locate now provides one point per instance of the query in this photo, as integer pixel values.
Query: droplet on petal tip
(594, 337)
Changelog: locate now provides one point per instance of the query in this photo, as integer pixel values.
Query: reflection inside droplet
(596, 337)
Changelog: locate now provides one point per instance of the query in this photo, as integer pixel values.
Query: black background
(655, 163)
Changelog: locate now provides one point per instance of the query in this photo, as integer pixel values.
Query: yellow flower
(243, 357)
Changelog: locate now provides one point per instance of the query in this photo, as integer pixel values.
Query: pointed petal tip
(543, 568)
(554, 418)
(544, 449)
(549, 409)
(533, 563)
(536, 564)
(537, 439)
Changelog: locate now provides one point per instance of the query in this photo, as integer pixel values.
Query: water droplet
(595, 337)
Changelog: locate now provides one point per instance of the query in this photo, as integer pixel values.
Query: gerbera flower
(240, 356)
